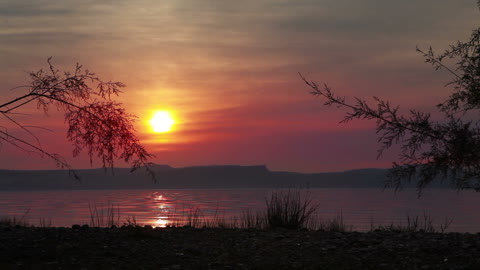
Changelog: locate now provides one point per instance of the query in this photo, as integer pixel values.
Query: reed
(416, 223)
(131, 221)
(15, 221)
(104, 216)
(45, 222)
(252, 220)
(220, 221)
(193, 217)
(335, 224)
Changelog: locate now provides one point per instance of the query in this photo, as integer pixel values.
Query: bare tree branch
(95, 122)
(429, 150)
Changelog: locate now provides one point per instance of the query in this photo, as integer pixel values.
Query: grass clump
(289, 209)
(336, 224)
(252, 220)
(15, 221)
(104, 216)
(424, 223)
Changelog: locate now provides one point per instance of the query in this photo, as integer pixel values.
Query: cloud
(307, 151)
(29, 8)
(230, 67)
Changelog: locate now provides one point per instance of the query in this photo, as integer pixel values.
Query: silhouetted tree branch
(95, 122)
(446, 149)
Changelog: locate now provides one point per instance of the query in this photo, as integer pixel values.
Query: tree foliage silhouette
(95, 122)
(430, 150)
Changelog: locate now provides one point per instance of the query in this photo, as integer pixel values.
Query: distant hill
(225, 176)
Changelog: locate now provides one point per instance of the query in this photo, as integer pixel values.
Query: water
(359, 207)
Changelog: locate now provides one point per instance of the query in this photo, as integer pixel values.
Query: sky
(228, 73)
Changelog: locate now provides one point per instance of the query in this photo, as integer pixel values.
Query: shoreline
(135, 247)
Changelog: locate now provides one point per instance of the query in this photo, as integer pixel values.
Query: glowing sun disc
(161, 122)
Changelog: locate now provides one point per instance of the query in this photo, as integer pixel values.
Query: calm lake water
(359, 207)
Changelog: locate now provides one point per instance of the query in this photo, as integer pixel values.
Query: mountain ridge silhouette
(212, 176)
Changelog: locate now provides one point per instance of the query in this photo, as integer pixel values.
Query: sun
(161, 122)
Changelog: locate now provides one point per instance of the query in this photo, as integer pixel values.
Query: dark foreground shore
(188, 248)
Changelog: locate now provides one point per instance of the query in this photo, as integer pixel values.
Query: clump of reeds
(252, 220)
(104, 216)
(45, 222)
(289, 209)
(131, 221)
(194, 218)
(425, 223)
(335, 224)
(15, 221)
(220, 221)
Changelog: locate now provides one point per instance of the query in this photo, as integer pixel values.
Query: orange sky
(227, 71)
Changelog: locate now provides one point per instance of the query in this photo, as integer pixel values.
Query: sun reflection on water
(163, 208)
(161, 222)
